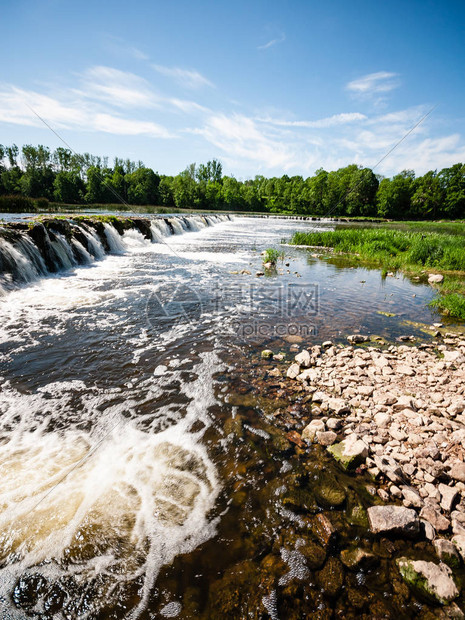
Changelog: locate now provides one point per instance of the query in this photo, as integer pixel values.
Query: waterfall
(94, 244)
(114, 240)
(178, 229)
(52, 245)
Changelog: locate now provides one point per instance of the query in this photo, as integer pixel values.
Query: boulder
(449, 496)
(393, 520)
(303, 358)
(357, 339)
(435, 278)
(309, 374)
(432, 580)
(447, 552)
(350, 452)
(309, 432)
(328, 493)
(338, 405)
(437, 520)
(457, 471)
(459, 542)
(324, 530)
(326, 438)
(293, 371)
(357, 558)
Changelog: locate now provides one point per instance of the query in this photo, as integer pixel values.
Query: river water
(123, 494)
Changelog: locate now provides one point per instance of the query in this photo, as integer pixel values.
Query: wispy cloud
(119, 88)
(239, 137)
(121, 48)
(329, 121)
(374, 83)
(272, 42)
(186, 77)
(70, 112)
(107, 100)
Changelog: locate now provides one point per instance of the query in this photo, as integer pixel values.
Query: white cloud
(128, 127)
(17, 106)
(240, 137)
(279, 39)
(120, 88)
(329, 121)
(374, 84)
(185, 77)
(120, 47)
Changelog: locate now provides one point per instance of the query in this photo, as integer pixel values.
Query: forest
(36, 175)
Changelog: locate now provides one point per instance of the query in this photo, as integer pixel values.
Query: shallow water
(123, 495)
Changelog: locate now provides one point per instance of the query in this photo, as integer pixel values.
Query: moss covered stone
(432, 581)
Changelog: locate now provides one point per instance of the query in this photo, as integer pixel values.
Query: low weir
(31, 250)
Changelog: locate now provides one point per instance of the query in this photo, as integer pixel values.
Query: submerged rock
(358, 339)
(356, 558)
(267, 354)
(328, 493)
(432, 580)
(324, 530)
(331, 577)
(393, 520)
(293, 371)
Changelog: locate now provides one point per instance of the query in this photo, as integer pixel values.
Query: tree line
(65, 177)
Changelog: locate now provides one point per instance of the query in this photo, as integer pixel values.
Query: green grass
(392, 249)
(271, 255)
(406, 250)
(450, 304)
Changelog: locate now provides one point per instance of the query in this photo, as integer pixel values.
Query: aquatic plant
(450, 304)
(271, 255)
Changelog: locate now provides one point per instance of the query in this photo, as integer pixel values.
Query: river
(124, 494)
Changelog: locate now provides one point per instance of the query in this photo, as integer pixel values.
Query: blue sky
(266, 87)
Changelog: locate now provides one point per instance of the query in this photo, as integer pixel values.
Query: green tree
(453, 185)
(394, 196)
(428, 196)
(68, 187)
(143, 186)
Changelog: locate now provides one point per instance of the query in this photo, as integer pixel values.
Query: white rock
(438, 578)
(448, 496)
(303, 358)
(309, 374)
(393, 520)
(459, 542)
(382, 419)
(445, 550)
(435, 278)
(293, 371)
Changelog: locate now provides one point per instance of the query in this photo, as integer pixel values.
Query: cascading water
(26, 256)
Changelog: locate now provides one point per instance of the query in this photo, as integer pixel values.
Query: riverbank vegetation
(62, 176)
(411, 252)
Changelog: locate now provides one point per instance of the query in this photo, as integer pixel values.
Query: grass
(271, 255)
(406, 250)
(450, 304)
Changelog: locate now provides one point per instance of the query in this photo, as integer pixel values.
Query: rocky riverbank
(397, 413)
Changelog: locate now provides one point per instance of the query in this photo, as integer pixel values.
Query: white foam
(114, 501)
